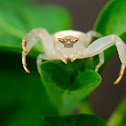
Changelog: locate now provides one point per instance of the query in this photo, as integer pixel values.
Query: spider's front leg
(98, 46)
(89, 37)
(32, 37)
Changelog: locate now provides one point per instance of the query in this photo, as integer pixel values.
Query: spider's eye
(75, 40)
(61, 40)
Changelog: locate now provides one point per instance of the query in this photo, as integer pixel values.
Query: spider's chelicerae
(72, 45)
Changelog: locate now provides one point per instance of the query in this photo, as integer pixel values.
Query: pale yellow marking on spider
(72, 45)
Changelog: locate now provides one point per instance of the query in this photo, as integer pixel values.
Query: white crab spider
(71, 45)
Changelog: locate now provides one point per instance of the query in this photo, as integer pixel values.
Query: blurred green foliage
(74, 120)
(112, 20)
(41, 100)
(23, 99)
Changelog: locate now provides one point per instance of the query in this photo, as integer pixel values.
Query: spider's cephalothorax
(68, 43)
(72, 45)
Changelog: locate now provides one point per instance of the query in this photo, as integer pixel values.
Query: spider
(71, 45)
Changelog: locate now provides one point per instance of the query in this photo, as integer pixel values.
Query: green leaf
(23, 99)
(89, 64)
(17, 2)
(16, 21)
(123, 123)
(75, 120)
(65, 89)
(53, 18)
(85, 107)
(112, 20)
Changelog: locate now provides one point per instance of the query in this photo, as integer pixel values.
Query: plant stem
(85, 107)
(118, 115)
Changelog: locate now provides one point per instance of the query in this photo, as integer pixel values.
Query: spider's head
(68, 43)
(67, 48)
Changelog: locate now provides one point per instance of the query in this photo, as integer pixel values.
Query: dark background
(107, 96)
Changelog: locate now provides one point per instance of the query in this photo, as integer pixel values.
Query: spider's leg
(26, 49)
(122, 69)
(103, 43)
(89, 36)
(32, 37)
(93, 34)
(39, 59)
(101, 59)
(121, 47)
